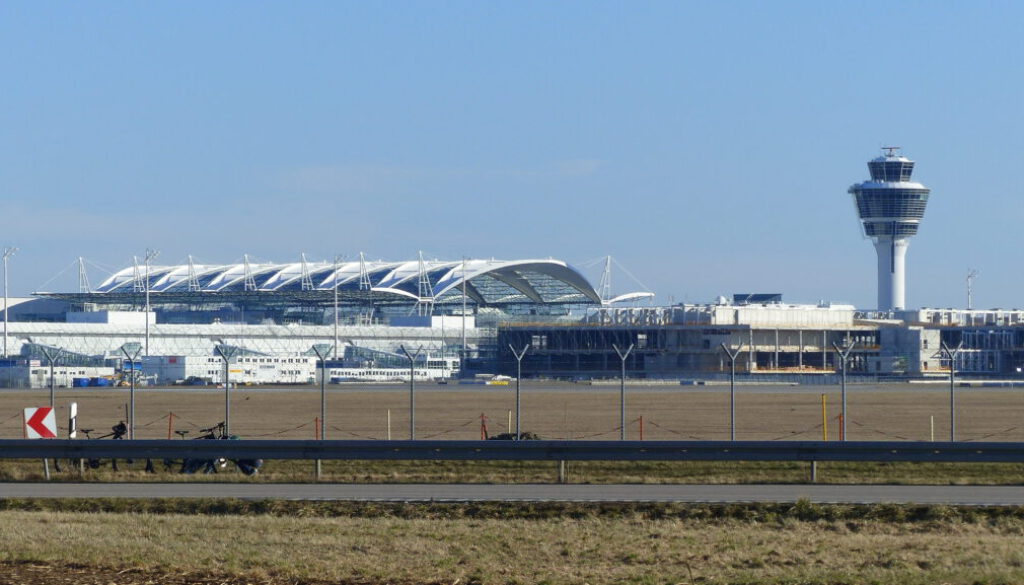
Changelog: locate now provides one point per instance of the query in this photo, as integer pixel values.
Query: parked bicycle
(117, 432)
(217, 432)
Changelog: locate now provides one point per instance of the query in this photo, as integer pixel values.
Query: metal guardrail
(989, 452)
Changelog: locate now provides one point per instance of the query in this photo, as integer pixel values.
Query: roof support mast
(193, 279)
(307, 280)
(605, 287)
(366, 285)
(250, 282)
(425, 305)
(83, 277)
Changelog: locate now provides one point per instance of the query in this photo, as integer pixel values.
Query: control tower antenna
(890, 207)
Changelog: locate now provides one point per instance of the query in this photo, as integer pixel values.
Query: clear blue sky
(706, 146)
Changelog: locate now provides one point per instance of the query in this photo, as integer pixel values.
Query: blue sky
(706, 146)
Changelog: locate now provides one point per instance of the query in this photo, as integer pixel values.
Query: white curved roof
(485, 281)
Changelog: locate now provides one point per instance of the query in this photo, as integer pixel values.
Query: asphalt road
(840, 494)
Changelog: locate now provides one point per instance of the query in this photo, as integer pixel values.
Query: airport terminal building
(475, 312)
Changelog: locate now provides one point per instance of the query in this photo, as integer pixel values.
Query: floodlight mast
(335, 287)
(8, 252)
(462, 362)
(971, 275)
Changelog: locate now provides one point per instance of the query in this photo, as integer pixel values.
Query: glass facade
(889, 205)
(891, 171)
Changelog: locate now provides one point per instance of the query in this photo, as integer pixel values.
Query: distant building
(777, 340)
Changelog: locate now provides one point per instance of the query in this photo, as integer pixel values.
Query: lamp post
(227, 352)
(8, 252)
(733, 354)
(412, 389)
(951, 354)
(622, 389)
(150, 255)
(335, 287)
(131, 353)
(844, 355)
(464, 355)
(519, 375)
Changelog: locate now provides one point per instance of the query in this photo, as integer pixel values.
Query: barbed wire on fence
(453, 429)
(352, 434)
(562, 433)
(673, 431)
(878, 431)
(990, 435)
(293, 429)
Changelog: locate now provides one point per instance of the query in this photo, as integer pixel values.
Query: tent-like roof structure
(486, 283)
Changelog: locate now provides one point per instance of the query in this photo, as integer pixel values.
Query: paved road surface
(846, 494)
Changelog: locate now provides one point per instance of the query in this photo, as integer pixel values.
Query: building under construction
(774, 340)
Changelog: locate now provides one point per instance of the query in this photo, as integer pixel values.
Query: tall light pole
(462, 362)
(150, 255)
(412, 389)
(227, 352)
(131, 353)
(519, 376)
(622, 389)
(844, 355)
(951, 354)
(335, 286)
(8, 252)
(733, 354)
(971, 275)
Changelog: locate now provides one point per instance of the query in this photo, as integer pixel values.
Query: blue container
(79, 382)
(100, 382)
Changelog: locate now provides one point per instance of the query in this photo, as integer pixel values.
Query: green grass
(685, 472)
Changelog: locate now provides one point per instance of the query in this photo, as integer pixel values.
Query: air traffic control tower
(890, 207)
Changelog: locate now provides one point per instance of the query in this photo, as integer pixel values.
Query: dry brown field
(121, 549)
(566, 411)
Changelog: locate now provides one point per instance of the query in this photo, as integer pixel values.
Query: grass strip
(761, 513)
(596, 472)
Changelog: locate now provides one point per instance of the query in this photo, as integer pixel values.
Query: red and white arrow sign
(40, 423)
